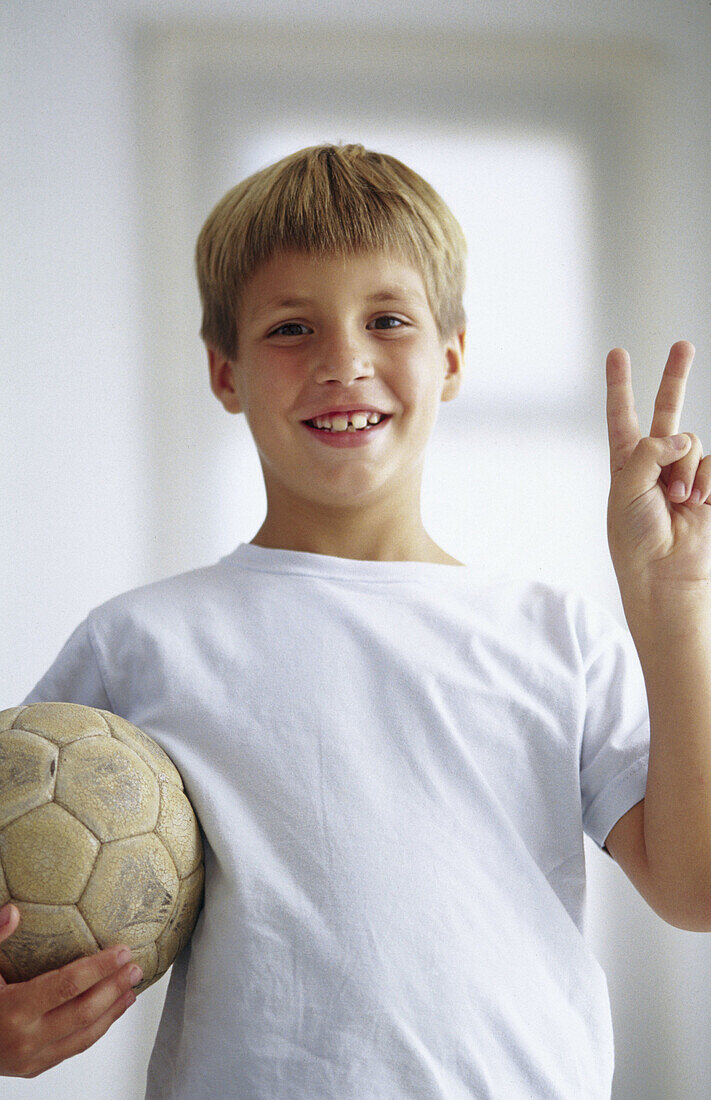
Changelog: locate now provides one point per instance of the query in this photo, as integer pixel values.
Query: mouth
(347, 422)
(339, 435)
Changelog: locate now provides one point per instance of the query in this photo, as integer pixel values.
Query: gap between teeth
(351, 424)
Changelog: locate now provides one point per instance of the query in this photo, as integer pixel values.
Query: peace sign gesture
(658, 516)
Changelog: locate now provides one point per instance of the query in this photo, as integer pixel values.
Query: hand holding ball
(99, 844)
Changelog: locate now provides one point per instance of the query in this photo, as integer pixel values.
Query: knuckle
(691, 460)
(85, 1016)
(67, 988)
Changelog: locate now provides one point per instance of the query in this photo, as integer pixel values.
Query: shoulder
(555, 633)
(570, 612)
(164, 598)
(550, 611)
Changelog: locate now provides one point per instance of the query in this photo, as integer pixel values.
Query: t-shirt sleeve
(615, 745)
(75, 675)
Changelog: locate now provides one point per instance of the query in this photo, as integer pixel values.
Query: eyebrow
(387, 294)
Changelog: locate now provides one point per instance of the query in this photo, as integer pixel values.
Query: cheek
(272, 423)
(412, 379)
(420, 391)
(271, 390)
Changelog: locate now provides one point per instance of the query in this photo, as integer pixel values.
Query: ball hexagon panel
(132, 891)
(113, 792)
(28, 766)
(48, 856)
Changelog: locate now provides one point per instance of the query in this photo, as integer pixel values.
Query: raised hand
(660, 542)
(658, 517)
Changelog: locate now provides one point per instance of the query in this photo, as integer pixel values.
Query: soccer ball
(98, 842)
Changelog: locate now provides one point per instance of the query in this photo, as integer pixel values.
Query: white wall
(77, 429)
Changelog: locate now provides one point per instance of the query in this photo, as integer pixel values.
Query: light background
(572, 142)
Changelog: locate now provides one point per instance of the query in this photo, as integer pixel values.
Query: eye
(389, 317)
(287, 324)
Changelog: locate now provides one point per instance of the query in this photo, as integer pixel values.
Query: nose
(342, 357)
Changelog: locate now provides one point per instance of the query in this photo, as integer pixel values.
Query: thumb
(9, 920)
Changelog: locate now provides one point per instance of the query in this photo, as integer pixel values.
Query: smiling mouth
(346, 437)
(341, 425)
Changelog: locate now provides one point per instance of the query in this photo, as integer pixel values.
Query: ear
(453, 365)
(222, 380)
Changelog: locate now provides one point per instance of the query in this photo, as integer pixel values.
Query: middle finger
(670, 397)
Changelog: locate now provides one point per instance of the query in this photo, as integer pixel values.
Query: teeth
(354, 423)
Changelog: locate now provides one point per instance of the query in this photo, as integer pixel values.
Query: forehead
(293, 279)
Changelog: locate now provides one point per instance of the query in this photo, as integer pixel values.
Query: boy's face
(338, 348)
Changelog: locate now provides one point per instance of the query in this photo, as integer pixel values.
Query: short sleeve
(615, 744)
(75, 675)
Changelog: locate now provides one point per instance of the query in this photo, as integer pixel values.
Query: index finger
(670, 396)
(622, 422)
(56, 987)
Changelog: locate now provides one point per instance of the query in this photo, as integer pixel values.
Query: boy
(392, 762)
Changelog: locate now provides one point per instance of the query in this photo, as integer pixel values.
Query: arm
(660, 544)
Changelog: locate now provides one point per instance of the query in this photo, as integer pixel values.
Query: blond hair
(328, 199)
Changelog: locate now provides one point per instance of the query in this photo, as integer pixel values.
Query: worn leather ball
(99, 844)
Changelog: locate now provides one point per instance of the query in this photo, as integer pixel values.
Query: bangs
(323, 206)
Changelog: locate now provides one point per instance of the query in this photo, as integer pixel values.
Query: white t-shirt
(393, 764)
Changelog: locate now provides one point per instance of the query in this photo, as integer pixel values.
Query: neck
(390, 546)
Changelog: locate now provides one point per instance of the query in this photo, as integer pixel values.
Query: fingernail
(135, 974)
(678, 441)
(123, 956)
(5, 915)
(678, 490)
(695, 497)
